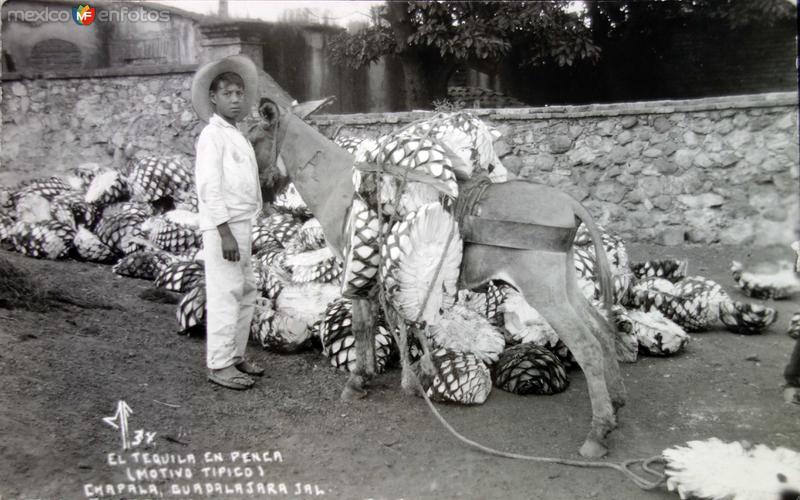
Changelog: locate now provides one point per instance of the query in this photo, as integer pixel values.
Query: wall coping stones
(774, 99)
(144, 70)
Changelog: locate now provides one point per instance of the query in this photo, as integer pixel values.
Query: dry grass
(19, 290)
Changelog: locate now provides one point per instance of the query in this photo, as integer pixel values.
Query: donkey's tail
(603, 268)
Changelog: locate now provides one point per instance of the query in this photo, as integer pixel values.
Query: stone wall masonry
(52, 124)
(720, 170)
(715, 170)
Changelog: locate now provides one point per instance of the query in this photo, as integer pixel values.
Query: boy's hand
(230, 248)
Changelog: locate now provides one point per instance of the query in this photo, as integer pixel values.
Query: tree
(635, 36)
(614, 19)
(433, 39)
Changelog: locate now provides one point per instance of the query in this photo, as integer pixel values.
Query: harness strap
(518, 235)
(469, 194)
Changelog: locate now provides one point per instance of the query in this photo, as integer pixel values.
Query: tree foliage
(369, 45)
(433, 38)
(469, 32)
(616, 19)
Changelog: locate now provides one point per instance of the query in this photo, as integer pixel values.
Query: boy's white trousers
(230, 297)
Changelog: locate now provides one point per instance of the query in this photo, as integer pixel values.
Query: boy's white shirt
(226, 174)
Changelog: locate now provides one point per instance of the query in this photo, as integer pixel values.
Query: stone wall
(716, 170)
(703, 171)
(52, 125)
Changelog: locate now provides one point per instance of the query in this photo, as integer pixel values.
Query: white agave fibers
(656, 333)
(75, 182)
(424, 242)
(290, 199)
(780, 276)
(461, 143)
(414, 196)
(309, 236)
(33, 208)
(300, 305)
(362, 150)
(151, 226)
(102, 184)
(481, 138)
(183, 217)
(470, 139)
(305, 266)
(305, 302)
(523, 323)
(89, 246)
(276, 330)
(473, 301)
(463, 330)
(657, 284)
(713, 469)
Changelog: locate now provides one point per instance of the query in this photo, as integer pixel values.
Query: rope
(642, 481)
(469, 195)
(395, 216)
(435, 121)
(624, 467)
(438, 270)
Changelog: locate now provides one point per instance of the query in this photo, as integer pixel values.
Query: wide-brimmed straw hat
(201, 84)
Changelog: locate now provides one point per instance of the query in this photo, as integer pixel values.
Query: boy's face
(227, 100)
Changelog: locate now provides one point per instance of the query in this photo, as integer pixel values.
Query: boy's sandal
(238, 382)
(250, 368)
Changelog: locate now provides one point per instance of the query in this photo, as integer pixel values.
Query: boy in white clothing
(229, 196)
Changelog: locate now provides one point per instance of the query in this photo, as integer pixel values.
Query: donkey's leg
(408, 382)
(425, 362)
(541, 277)
(603, 331)
(589, 354)
(364, 332)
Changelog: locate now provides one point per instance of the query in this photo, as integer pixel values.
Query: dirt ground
(65, 370)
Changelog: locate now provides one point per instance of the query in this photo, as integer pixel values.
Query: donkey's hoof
(593, 449)
(412, 391)
(354, 389)
(410, 385)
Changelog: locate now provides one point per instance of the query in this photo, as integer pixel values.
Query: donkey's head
(271, 169)
(290, 150)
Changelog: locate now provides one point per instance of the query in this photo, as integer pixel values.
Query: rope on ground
(464, 207)
(642, 482)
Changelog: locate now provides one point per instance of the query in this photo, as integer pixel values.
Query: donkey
(518, 232)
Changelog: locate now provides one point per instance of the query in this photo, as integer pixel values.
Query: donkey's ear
(268, 110)
(306, 108)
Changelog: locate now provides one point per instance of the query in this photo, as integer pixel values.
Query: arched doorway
(55, 53)
(8, 63)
